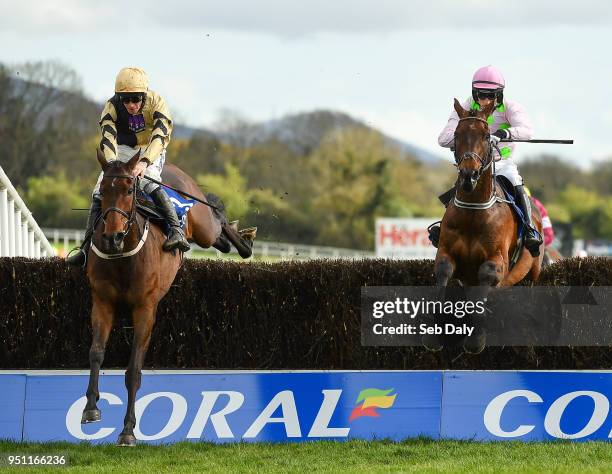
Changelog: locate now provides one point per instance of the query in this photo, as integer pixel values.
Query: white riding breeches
(124, 153)
(508, 169)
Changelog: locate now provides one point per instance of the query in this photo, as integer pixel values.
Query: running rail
(20, 235)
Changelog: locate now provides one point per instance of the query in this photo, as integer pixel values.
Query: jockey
(508, 120)
(136, 118)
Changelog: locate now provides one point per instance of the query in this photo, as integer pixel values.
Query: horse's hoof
(91, 416)
(248, 234)
(126, 440)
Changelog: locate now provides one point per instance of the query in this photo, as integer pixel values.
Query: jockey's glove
(499, 135)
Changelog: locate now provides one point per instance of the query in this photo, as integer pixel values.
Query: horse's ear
(101, 159)
(134, 160)
(461, 112)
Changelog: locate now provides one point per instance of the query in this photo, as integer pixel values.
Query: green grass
(419, 455)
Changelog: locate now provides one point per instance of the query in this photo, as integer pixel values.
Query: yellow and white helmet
(131, 80)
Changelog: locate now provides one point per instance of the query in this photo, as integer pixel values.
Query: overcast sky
(395, 64)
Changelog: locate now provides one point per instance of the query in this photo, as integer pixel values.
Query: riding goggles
(485, 94)
(133, 99)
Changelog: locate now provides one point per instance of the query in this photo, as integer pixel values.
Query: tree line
(324, 185)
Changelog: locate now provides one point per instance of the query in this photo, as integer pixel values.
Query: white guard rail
(66, 239)
(20, 235)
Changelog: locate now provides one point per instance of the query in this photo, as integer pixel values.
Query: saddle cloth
(182, 205)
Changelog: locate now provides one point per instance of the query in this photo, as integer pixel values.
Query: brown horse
(127, 268)
(479, 231)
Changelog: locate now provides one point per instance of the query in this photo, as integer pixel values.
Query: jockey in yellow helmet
(136, 118)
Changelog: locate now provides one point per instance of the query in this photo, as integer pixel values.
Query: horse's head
(117, 188)
(473, 153)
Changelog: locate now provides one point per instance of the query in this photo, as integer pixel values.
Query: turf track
(420, 455)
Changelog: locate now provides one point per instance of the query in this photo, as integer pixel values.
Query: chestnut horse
(127, 268)
(479, 231)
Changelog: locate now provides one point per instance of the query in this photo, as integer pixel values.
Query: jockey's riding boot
(79, 259)
(532, 238)
(434, 229)
(176, 239)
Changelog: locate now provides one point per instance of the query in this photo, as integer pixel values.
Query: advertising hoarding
(225, 407)
(404, 238)
(526, 406)
(12, 396)
(229, 407)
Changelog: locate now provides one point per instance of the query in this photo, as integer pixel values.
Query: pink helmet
(488, 77)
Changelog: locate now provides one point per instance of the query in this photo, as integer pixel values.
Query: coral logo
(372, 399)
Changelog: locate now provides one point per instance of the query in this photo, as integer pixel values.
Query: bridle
(131, 216)
(484, 165)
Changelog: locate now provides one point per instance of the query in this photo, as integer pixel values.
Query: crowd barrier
(281, 406)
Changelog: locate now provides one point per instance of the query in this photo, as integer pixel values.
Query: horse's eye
(130, 191)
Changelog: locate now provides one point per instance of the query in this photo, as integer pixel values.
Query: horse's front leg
(490, 274)
(444, 268)
(491, 271)
(102, 315)
(143, 319)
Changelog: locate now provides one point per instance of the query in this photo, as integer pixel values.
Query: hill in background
(302, 132)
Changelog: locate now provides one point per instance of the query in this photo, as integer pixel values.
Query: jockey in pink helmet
(508, 120)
